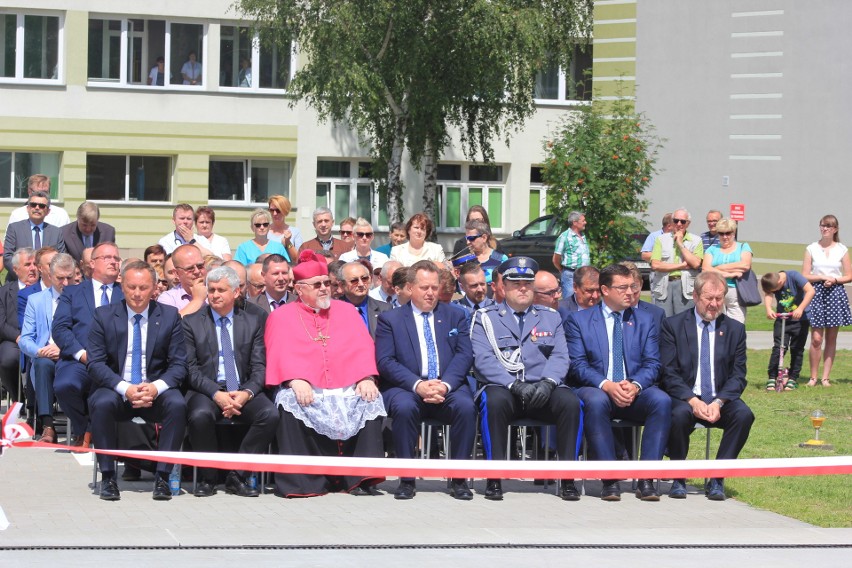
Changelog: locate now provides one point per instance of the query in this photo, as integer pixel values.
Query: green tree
(600, 162)
(405, 74)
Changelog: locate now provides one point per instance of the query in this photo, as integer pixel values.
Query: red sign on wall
(737, 211)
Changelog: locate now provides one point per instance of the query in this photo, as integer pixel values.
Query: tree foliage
(404, 74)
(600, 162)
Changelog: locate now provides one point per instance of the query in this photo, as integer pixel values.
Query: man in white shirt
(183, 217)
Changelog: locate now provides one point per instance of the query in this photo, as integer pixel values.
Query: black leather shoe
(646, 491)
(715, 490)
(459, 490)
(109, 490)
(161, 489)
(236, 485)
(406, 490)
(494, 490)
(678, 490)
(362, 491)
(610, 491)
(204, 489)
(568, 491)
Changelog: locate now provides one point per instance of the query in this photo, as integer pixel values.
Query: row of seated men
(309, 374)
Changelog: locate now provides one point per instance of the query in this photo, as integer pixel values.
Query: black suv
(538, 239)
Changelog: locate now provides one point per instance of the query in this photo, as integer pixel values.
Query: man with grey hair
(710, 237)
(363, 234)
(385, 292)
(37, 340)
(675, 262)
(24, 265)
(87, 231)
(57, 216)
(226, 357)
(32, 232)
(355, 279)
(255, 286)
(323, 225)
(571, 251)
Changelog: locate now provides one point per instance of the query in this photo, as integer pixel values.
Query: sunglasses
(550, 293)
(361, 235)
(725, 234)
(346, 233)
(364, 279)
(471, 238)
(680, 221)
(317, 285)
(274, 210)
(37, 205)
(259, 225)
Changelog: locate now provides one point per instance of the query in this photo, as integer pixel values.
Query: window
(554, 84)
(246, 182)
(30, 47)
(350, 196)
(538, 194)
(17, 167)
(135, 51)
(247, 64)
(128, 178)
(470, 185)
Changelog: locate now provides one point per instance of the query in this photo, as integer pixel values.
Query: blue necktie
(617, 348)
(232, 383)
(104, 296)
(37, 238)
(520, 316)
(431, 352)
(706, 379)
(87, 241)
(136, 352)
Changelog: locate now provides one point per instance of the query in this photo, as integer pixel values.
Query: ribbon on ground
(392, 467)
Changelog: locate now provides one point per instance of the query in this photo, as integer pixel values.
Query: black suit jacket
(262, 301)
(658, 313)
(374, 308)
(679, 356)
(9, 328)
(19, 235)
(202, 350)
(73, 238)
(165, 350)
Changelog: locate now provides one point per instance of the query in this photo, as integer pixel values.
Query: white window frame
(255, 67)
(12, 180)
(562, 94)
(247, 180)
(353, 182)
(127, 174)
(19, 78)
(465, 184)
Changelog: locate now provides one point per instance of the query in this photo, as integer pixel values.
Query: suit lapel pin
(721, 333)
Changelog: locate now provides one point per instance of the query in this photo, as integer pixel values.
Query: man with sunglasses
(323, 225)
(32, 232)
(355, 281)
(57, 216)
(675, 262)
(191, 296)
(363, 233)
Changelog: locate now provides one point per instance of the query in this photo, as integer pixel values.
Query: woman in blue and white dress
(827, 267)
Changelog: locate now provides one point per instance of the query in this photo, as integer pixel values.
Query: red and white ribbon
(11, 430)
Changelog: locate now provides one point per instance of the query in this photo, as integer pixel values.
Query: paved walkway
(46, 498)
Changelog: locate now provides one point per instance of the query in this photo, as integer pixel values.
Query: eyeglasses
(191, 267)
(623, 288)
(274, 210)
(471, 238)
(346, 233)
(317, 285)
(712, 221)
(108, 258)
(680, 221)
(366, 278)
(37, 205)
(361, 235)
(826, 226)
(725, 234)
(551, 293)
(257, 286)
(636, 287)
(260, 225)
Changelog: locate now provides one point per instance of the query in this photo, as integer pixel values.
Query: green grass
(781, 424)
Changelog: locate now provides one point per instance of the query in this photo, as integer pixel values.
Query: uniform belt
(674, 277)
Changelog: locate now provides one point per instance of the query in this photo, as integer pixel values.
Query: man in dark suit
(657, 313)
(323, 224)
(226, 357)
(71, 325)
(122, 387)
(24, 265)
(423, 354)
(615, 364)
(701, 391)
(475, 289)
(355, 279)
(587, 292)
(87, 231)
(43, 256)
(32, 232)
(277, 279)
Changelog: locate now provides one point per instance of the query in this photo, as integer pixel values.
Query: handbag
(747, 290)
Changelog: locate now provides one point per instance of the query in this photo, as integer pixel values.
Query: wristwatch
(718, 401)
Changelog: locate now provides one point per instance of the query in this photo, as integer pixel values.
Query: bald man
(546, 289)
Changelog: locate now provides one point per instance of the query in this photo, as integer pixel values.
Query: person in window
(157, 75)
(248, 252)
(191, 70)
(245, 73)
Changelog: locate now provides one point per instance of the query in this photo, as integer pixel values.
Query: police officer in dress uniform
(521, 357)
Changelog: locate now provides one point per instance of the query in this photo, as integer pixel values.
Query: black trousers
(796, 333)
(10, 368)
(499, 407)
(736, 420)
(296, 439)
(259, 414)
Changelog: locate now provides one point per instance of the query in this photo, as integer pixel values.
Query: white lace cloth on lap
(338, 414)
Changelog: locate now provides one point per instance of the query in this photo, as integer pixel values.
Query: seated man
(701, 391)
(423, 353)
(122, 387)
(615, 364)
(322, 360)
(355, 278)
(475, 289)
(276, 275)
(24, 264)
(227, 371)
(520, 354)
(37, 341)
